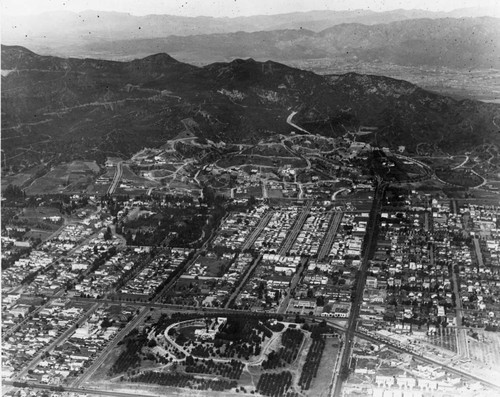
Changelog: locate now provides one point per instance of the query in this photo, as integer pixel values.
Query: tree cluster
(275, 384)
(177, 379)
(291, 341)
(231, 370)
(130, 357)
(311, 365)
(13, 192)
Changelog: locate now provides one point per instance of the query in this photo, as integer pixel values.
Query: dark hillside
(62, 109)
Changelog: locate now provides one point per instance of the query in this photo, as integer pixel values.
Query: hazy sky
(231, 8)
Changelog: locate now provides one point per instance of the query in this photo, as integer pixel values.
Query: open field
(33, 217)
(442, 161)
(459, 178)
(273, 150)
(258, 160)
(275, 193)
(39, 212)
(445, 338)
(165, 171)
(21, 178)
(129, 176)
(75, 176)
(35, 234)
(83, 166)
(486, 348)
(255, 191)
(215, 267)
(18, 180)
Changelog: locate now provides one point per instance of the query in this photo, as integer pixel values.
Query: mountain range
(454, 43)
(402, 37)
(68, 108)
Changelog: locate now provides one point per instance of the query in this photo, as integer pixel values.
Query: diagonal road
(65, 335)
(116, 178)
(257, 231)
(104, 353)
(289, 122)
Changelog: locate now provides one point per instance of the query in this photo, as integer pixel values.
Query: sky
(231, 8)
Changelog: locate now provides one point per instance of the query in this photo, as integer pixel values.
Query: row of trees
(275, 385)
(231, 370)
(176, 379)
(313, 359)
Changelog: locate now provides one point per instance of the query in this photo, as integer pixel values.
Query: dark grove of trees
(313, 359)
(291, 341)
(231, 370)
(177, 379)
(275, 385)
(130, 358)
(13, 192)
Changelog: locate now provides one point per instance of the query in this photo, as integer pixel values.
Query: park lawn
(215, 267)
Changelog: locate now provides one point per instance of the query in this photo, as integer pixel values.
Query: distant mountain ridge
(104, 24)
(64, 109)
(466, 43)
(462, 44)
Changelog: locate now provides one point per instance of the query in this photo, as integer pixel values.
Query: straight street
(293, 284)
(370, 246)
(249, 272)
(330, 236)
(462, 345)
(297, 226)
(257, 231)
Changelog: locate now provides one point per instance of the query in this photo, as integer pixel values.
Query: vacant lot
(255, 191)
(33, 217)
(21, 178)
(215, 267)
(259, 160)
(459, 177)
(129, 176)
(486, 348)
(273, 150)
(18, 180)
(275, 193)
(445, 338)
(70, 177)
(442, 162)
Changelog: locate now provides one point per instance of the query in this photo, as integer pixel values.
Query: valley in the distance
(476, 84)
(246, 228)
